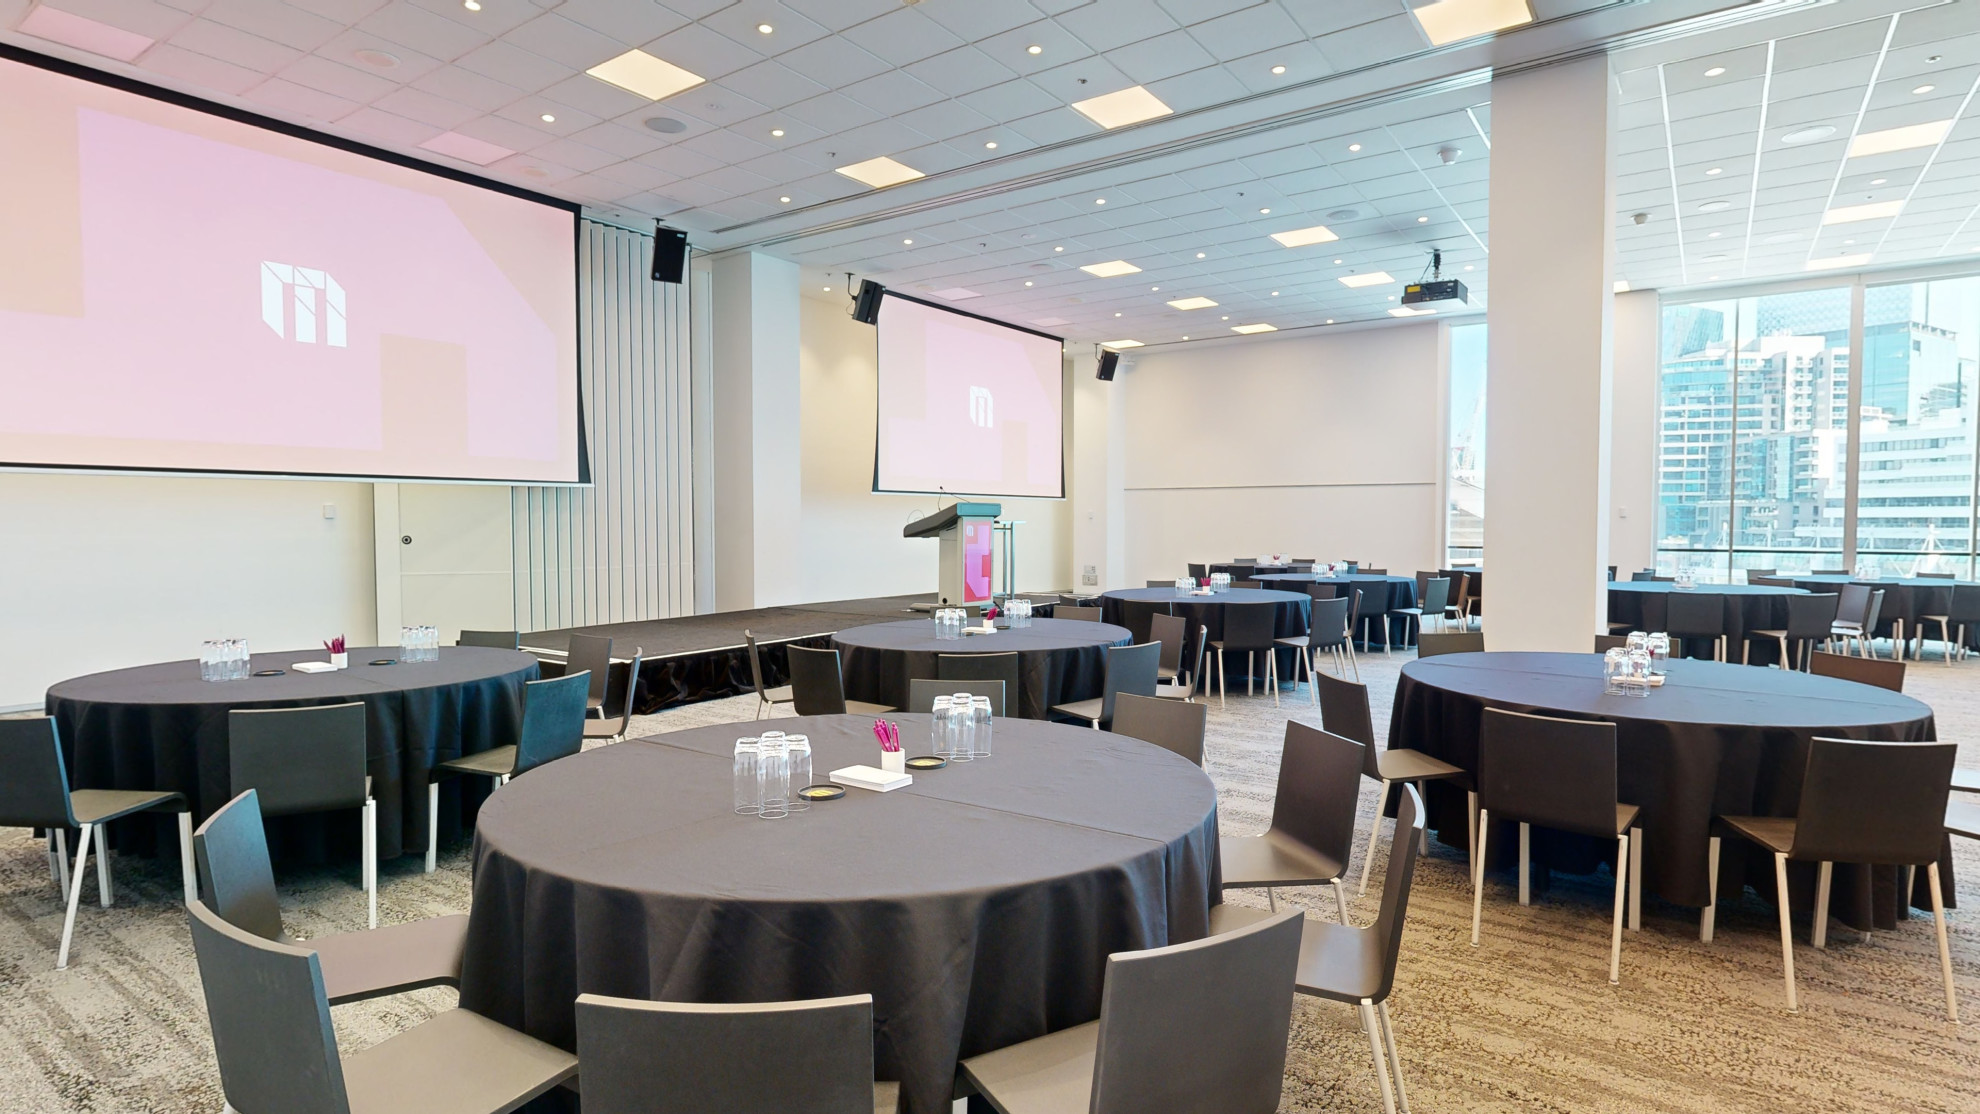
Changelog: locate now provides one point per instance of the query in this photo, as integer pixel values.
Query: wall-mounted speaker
(670, 249)
(866, 307)
(1109, 360)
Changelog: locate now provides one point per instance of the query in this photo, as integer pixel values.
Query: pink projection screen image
(968, 406)
(184, 291)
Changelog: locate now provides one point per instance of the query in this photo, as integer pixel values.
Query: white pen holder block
(894, 761)
(341, 661)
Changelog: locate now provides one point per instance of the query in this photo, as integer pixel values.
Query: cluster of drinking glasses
(1220, 582)
(949, 622)
(1185, 585)
(1630, 667)
(1684, 580)
(419, 644)
(961, 728)
(1017, 612)
(769, 770)
(223, 659)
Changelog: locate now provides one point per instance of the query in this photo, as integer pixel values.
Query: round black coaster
(822, 792)
(384, 661)
(926, 762)
(269, 672)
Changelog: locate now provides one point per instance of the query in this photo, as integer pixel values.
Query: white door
(456, 559)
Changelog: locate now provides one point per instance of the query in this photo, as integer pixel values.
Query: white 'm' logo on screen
(981, 409)
(316, 297)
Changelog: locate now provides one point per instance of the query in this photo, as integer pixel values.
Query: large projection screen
(968, 406)
(186, 291)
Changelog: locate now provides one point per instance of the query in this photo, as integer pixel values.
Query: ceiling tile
(385, 127)
(834, 63)
(422, 30)
(426, 108)
(343, 81)
(892, 92)
(561, 40)
(1108, 25)
(228, 44)
(200, 70)
(963, 70)
(287, 96)
(703, 51)
(289, 26)
(902, 36)
(772, 84)
(629, 24)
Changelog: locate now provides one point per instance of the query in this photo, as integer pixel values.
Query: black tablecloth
(1060, 661)
(1402, 593)
(1727, 740)
(1642, 603)
(1294, 611)
(161, 727)
(978, 906)
(1905, 598)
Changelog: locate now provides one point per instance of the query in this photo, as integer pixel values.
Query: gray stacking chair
(35, 793)
(983, 667)
(552, 728)
(1453, 642)
(496, 639)
(1344, 711)
(1436, 596)
(819, 689)
(1196, 1028)
(1884, 804)
(1853, 619)
(1810, 619)
(614, 730)
(1357, 966)
(1606, 642)
(1131, 670)
(1172, 631)
(1866, 671)
(1183, 687)
(1312, 832)
(1169, 724)
(1083, 614)
(237, 882)
(1689, 615)
(1964, 613)
(1137, 615)
(1198, 572)
(1328, 630)
(1560, 774)
(922, 693)
(1955, 612)
(1966, 781)
(765, 698)
(814, 1056)
(1371, 607)
(305, 760)
(1249, 628)
(270, 1019)
(591, 653)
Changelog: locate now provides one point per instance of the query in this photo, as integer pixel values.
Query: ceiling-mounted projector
(1439, 292)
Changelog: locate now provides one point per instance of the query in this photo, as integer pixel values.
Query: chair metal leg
(371, 860)
(1635, 879)
(62, 858)
(1945, 954)
(1354, 663)
(1340, 899)
(103, 895)
(1787, 932)
(1615, 933)
(1374, 831)
(1272, 674)
(1709, 916)
(1471, 828)
(1423, 835)
(1271, 900)
(1525, 863)
(1220, 676)
(1395, 1061)
(75, 898)
(1818, 933)
(1478, 874)
(1250, 672)
(188, 877)
(1313, 690)
(1373, 1028)
(432, 825)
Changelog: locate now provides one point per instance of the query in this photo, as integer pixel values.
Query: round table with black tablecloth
(1642, 603)
(1401, 589)
(978, 905)
(1714, 740)
(1905, 598)
(1293, 612)
(1060, 661)
(161, 727)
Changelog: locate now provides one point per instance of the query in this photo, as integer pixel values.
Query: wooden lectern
(965, 533)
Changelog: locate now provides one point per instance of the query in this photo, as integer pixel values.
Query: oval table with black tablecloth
(161, 727)
(1714, 740)
(1401, 594)
(1293, 610)
(1746, 607)
(1905, 598)
(978, 905)
(1060, 661)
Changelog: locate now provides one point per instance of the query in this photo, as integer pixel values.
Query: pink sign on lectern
(976, 561)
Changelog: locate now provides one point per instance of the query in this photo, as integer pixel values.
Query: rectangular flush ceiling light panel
(1449, 21)
(1128, 106)
(636, 71)
(1899, 139)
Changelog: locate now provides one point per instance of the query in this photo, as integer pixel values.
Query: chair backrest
(758, 1058)
(1769, 581)
(591, 653)
(1247, 584)
(1854, 606)
(1867, 671)
(817, 687)
(1198, 1028)
(1171, 631)
(1432, 643)
(1083, 614)
(1644, 576)
(270, 1020)
(922, 692)
(1463, 581)
(1656, 611)
(1173, 725)
(35, 792)
(755, 663)
(1876, 611)
(1242, 572)
(1877, 803)
(498, 639)
(982, 667)
(1689, 613)
(1606, 642)
(1134, 670)
(1934, 575)
(1964, 606)
(1198, 572)
(629, 697)
(1250, 626)
(235, 877)
(1403, 843)
(1137, 614)
(1812, 615)
(1319, 789)
(1328, 626)
(1320, 591)
(1762, 574)
(553, 720)
(1371, 602)
(1828, 572)
(1195, 673)
(1558, 773)
(300, 759)
(1344, 711)
(1435, 596)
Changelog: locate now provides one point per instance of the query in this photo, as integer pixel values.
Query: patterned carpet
(1525, 1022)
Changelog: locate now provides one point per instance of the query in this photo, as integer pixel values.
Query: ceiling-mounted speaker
(1109, 360)
(866, 307)
(670, 251)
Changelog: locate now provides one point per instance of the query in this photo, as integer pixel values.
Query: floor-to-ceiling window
(1464, 529)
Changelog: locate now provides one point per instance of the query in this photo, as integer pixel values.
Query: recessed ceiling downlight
(1715, 206)
(376, 59)
(1809, 135)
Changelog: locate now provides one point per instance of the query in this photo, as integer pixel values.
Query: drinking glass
(938, 729)
(749, 795)
(799, 749)
(1637, 641)
(1660, 652)
(773, 775)
(1636, 676)
(1614, 664)
(962, 725)
(980, 712)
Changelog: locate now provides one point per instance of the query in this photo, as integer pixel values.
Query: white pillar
(1549, 357)
(1633, 436)
(758, 495)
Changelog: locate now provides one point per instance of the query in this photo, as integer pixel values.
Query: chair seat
(886, 1098)
(1841, 627)
(862, 708)
(94, 806)
(1775, 833)
(1963, 819)
(389, 960)
(1966, 781)
(1297, 641)
(487, 1067)
(1167, 672)
(1766, 634)
(1275, 859)
(1088, 710)
(1220, 644)
(601, 728)
(779, 695)
(1336, 961)
(1414, 765)
(493, 762)
(1177, 691)
(1052, 1074)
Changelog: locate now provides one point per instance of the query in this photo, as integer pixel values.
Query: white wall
(849, 538)
(101, 572)
(1099, 500)
(1633, 437)
(756, 431)
(1326, 445)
